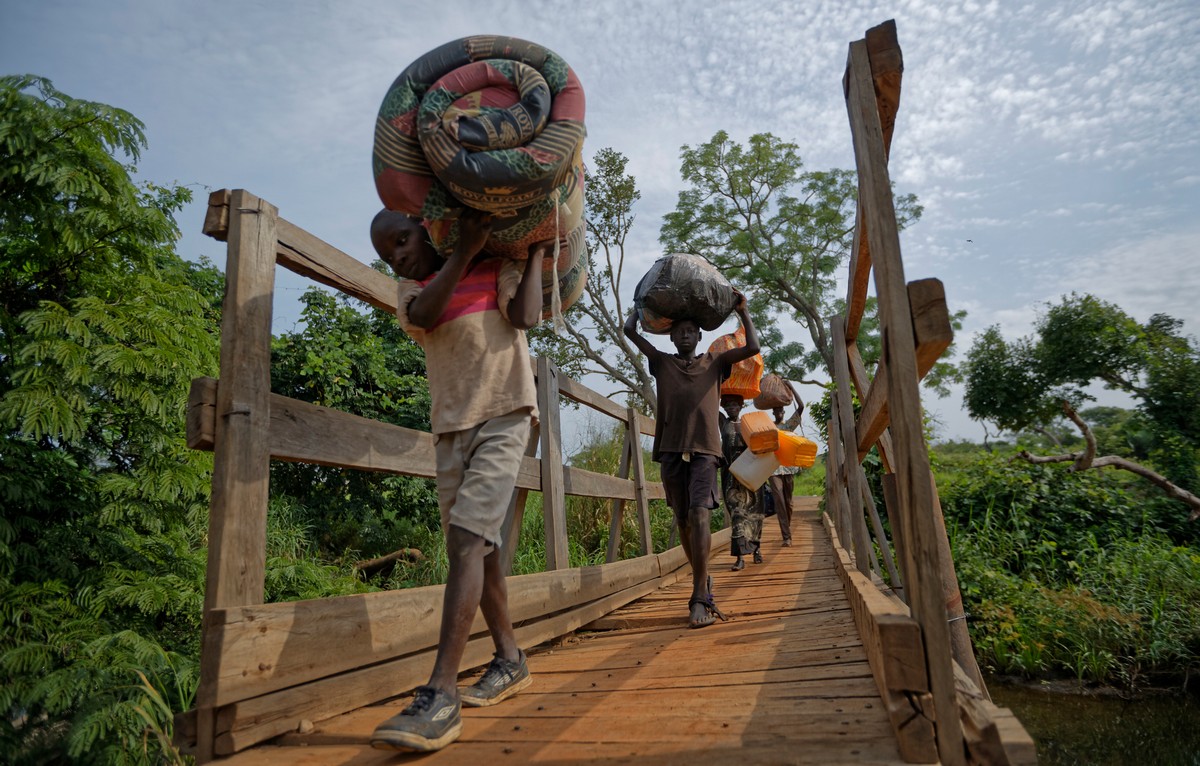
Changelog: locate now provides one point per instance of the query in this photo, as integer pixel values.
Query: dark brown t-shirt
(689, 401)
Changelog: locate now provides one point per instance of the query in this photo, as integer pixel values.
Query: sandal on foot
(738, 566)
(711, 613)
(758, 559)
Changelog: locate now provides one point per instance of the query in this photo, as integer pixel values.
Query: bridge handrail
(267, 668)
(919, 649)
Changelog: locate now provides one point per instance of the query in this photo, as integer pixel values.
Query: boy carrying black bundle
(687, 438)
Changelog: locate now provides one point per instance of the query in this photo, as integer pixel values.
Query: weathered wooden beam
(852, 473)
(308, 433)
(510, 529)
(554, 504)
(617, 508)
(894, 647)
(248, 722)
(275, 646)
(932, 335)
(912, 460)
(642, 489)
(216, 216)
(237, 525)
(887, 70)
(305, 254)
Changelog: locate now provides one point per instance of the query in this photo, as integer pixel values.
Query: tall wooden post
(237, 522)
(913, 474)
(854, 490)
(641, 501)
(510, 531)
(554, 499)
(616, 515)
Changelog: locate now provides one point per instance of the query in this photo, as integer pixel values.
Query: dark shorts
(689, 484)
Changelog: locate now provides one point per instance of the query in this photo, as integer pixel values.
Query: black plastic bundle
(683, 286)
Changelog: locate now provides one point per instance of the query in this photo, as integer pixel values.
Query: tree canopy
(365, 364)
(593, 341)
(103, 514)
(777, 231)
(1031, 382)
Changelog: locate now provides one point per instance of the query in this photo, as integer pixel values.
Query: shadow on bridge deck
(785, 680)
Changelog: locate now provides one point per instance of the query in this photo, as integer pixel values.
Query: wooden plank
(642, 493)
(578, 392)
(887, 70)
(309, 433)
(860, 278)
(912, 460)
(858, 373)
(274, 646)
(510, 530)
(720, 746)
(305, 254)
(617, 510)
(891, 504)
(852, 472)
(303, 432)
(881, 539)
(251, 721)
(583, 483)
(989, 742)
(931, 328)
(554, 504)
(216, 215)
(202, 413)
(895, 651)
(961, 648)
(237, 527)
(932, 335)
(646, 705)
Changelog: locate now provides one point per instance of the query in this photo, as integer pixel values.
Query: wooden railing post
(237, 524)
(640, 499)
(853, 475)
(617, 513)
(510, 532)
(554, 499)
(912, 459)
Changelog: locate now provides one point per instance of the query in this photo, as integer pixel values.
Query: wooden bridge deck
(785, 680)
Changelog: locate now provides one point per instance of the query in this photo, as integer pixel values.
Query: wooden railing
(913, 628)
(267, 669)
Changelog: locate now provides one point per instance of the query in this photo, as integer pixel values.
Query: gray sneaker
(502, 679)
(432, 721)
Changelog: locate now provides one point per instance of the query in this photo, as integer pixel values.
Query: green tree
(366, 365)
(593, 341)
(1031, 382)
(103, 511)
(778, 232)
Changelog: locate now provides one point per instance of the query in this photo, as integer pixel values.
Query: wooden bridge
(848, 647)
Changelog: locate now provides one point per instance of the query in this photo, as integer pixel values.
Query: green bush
(1065, 574)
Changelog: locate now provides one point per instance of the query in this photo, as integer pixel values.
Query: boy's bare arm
(431, 302)
(735, 355)
(645, 346)
(525, 307)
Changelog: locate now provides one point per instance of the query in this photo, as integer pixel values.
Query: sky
(1053, 145)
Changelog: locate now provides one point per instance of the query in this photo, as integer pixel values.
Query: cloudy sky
(1053, 144)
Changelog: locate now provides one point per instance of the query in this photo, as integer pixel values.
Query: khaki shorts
(477, 473)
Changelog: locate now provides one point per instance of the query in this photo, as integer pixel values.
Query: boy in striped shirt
(469, 312)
